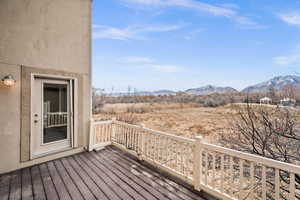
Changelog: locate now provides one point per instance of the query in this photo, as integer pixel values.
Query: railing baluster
(232, 185)
(206, 166)
(264, 183)
(214, 169)
(181, 157)
(222, 173)
(251, 195)
(168, 152)
(151, 146)
(201, 164)
(277, 184)
(124, 135)
(241, 179)
(157, 148)
(105, 133)
(292, 186)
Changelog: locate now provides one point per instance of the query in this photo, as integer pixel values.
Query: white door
(51, 116)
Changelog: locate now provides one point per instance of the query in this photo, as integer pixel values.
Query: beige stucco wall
(51, 36)
(9, 119)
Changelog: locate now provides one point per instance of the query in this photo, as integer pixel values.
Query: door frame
(73, 102)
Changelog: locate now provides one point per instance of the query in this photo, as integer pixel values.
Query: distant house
(288, 102)
(265, 100)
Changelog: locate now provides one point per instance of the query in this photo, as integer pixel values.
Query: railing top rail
(102, 122)
(254, 158)
(173, 136)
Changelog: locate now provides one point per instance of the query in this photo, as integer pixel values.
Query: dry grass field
(187, 120)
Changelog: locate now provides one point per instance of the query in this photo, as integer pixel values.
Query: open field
(187, 120)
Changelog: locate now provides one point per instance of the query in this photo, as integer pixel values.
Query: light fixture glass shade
(9, 80)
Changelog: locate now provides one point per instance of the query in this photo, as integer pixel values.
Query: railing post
(113, 134)
(143, 143)
(91, 140)
(197, 164)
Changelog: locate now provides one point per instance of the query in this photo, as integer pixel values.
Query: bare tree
(272, 132)
(289, 91)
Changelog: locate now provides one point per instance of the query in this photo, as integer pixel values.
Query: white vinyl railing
(55, 119)
(219, 171)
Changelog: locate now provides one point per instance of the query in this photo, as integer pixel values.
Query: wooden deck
(109, 174)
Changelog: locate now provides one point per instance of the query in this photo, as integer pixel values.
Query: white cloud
(135, 59)
(215, 10)
(287, 60)
(230, 5)
(193, 34)
(225, 10)
(291, 18)
(166, 68)
(131, 32)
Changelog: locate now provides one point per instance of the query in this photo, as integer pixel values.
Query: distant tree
(272, 93)
(289, 90)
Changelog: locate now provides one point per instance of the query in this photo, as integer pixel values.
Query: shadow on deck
(109, 174)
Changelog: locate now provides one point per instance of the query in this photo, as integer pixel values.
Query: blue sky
(181, 44)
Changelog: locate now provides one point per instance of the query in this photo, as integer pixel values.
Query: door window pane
(55, 112)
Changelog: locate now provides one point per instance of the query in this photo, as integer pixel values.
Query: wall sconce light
(9, 80)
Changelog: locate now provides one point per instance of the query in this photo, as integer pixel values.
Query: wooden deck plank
(128, 173)
(88, 181)
(71, 187)
(82, 187)
(104, 186)
(26, 184)
(16, 186)
(61, 189)
(37, 184)
(162, 182)
(171, 194)
(139, 189)
(49, 187)
(4, 186)
(114, 180)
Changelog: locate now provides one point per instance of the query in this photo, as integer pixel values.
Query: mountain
(163, 92)
(158, 92)
(277, 83)
(210, 89)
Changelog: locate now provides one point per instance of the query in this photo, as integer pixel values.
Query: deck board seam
(31, 180)
(115, 174)
(62, 180)
(86, 184)
(71, 157)
(107, 176)
(96, 183)
(56, 162)
(63, 163)
(141, 179)
(146, 182)
(70, 178)
(135, 181)
(52, 181)
(41, 180)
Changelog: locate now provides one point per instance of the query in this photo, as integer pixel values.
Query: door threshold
(51, 153)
